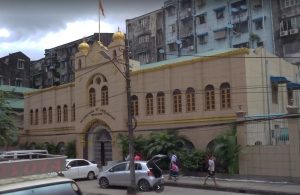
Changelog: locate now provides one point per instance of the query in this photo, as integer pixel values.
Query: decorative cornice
(194, 60)
(50, 88)
(184, 121)
(47, 130)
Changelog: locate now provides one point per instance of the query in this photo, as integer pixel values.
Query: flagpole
(99, 19)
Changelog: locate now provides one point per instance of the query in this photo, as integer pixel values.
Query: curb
(228, 189)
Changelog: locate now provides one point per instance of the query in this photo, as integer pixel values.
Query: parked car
(80, 168)
(147, 174)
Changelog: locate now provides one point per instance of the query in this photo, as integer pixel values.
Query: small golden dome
(118, 36)
(84, 47)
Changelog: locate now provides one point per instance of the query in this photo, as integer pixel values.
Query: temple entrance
(98, 146)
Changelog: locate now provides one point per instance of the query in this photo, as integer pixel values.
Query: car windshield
(54, 189)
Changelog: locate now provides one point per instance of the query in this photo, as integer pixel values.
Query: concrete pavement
(237, 185)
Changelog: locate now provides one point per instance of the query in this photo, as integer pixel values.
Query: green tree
(8, 127)
(165, 142)
(192, 160)
(139, 143)
(71, 149)
(227, 151)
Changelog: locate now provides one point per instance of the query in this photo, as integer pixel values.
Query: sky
(31, 26)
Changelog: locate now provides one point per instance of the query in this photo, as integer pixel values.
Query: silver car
(147, 174)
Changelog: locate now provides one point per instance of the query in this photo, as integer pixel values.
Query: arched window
(50, 115)
(149, 104)
(190, 100)
(44, 115)
(177, 105)
(65, 113)
(134, 105)
(36, 116)
(225, 96)
(160, 103)
(73, 113)
(58, 114)
(209, 97)
(79, 64)
(104, 95)
(92, 97)
(31, 117)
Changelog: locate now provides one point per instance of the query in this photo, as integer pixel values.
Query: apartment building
(15, 70)
(146, 37)
(286, 14)
(58, 65)
(197, 26)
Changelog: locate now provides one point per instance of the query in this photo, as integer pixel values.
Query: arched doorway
(98, 146)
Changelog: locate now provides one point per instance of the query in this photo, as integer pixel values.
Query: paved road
(92, 188)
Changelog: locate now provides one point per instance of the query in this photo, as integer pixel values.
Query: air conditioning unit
(191, 47)
(294, 31)
(284, 33)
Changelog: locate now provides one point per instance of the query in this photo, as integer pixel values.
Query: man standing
(211, 170)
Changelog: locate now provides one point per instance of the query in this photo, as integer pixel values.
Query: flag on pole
(101, 7)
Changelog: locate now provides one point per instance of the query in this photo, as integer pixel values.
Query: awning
(202, 34)
(219, 8)
(278, 80)
(293, 86)
(258, 18)
(219, 29)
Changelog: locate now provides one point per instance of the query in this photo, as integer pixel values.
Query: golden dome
(118, 36)
(84, 47)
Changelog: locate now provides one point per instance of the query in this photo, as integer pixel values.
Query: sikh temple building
(189, 94)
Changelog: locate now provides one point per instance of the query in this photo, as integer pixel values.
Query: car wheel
(144, 185)
(91, 175)
(103, 182)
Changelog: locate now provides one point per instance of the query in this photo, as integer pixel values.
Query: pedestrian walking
(174, 171)
(173, 161)
(211, 170)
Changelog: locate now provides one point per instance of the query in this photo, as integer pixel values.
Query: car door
(118, 174)
(72, 170)
(83, 168)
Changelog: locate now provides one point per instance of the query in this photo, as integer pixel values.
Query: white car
(80, 168)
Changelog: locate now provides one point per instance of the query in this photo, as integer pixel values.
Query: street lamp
(132, 188)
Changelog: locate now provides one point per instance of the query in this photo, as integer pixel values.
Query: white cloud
(4, 33)
(34, 48)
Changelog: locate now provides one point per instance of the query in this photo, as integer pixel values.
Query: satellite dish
(178, 42)
(161, 51)
(234, 9)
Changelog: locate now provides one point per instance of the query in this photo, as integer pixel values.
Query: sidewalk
(237, 185)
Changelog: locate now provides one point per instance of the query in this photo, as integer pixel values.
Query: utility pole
(132, 188)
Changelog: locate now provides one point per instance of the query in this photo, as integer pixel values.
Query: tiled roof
(15, 89)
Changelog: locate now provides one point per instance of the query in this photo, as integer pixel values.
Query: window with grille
(177, 105)
(44, 115)
(92, 97)
(31, 117)
(73, 113)
(225, 96)
(58, 114)
(160, 103)
(65, 113)
(36, 116)
(274, 93)
(21, 63)
(50, 115)
(202, 19)
(190, 100)
(209, 98)
(149, 104)
(134, 106)
(104, 95)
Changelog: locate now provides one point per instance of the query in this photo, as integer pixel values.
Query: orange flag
(101, 7)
